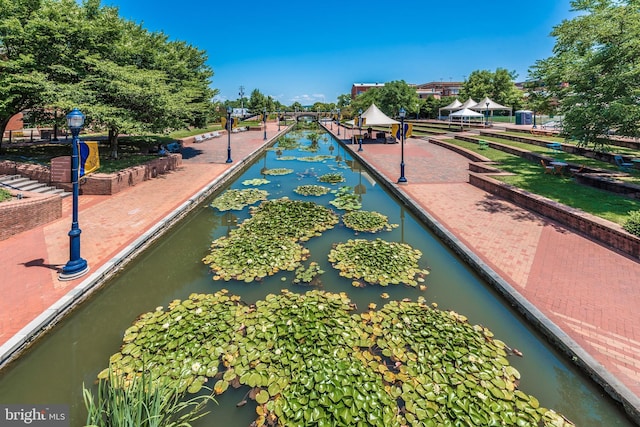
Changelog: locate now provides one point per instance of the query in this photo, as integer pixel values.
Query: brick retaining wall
(604, 231)
(32, 210)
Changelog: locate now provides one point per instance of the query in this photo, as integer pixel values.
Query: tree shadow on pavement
(493, 204)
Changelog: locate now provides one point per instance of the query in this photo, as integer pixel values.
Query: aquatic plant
(311, 190)
(378, 262)
(256, 182)
(332, 178)
(309, 360)
(367, 221)
(278, 171)
(268, 241)
(346, 199)
(238, 199)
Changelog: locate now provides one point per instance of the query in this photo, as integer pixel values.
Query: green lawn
(530, 176)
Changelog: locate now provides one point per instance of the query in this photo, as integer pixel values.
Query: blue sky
(310, 51)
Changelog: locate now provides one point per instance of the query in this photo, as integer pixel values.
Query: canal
(54, 370)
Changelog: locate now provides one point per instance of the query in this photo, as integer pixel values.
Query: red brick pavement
(587, 290)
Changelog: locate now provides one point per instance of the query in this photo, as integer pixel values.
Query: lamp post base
(74, 269)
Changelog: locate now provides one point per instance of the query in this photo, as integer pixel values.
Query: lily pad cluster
(378, 262)
(309, 274)
(367, 221)
(309, 360)
(318, 158)
(346, 199)
(238, 199)
(269, 241)
(332, 178)
(288, 143)
(311, 190)
(286, 158)
(278, 171)
(255, 182)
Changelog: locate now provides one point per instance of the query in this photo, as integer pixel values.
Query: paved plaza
(589, 291)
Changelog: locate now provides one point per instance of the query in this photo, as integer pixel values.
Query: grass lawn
(530, 176)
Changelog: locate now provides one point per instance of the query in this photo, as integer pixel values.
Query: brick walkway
(589, 291)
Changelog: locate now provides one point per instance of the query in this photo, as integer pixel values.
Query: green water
(54, 370)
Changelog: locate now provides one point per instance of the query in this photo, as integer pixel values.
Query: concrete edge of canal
(555, 335)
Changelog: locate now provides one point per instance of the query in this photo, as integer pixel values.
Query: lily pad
(238, 199)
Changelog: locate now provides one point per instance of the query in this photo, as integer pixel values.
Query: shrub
(5, 195)
(632, 225)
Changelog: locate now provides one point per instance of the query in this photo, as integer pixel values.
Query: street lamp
(76, 266)
(360, 129)
(264, 122)
(229, 134)
(278, 120)
(486, 123)
(402, 178)
(534, 119)
(331, 119)
(338, 122)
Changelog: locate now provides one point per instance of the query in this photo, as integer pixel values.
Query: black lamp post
(264, 122)
(338, 122)
(229, 135)
(331, 119)
(76, 266)
(486, 123)
(534, 119)
(278, 120)
(402, 178)
(360, 130)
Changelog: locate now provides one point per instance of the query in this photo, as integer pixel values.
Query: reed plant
(141, 402)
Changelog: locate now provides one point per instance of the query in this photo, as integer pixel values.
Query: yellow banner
(408, 130)
(89, 157)
(395, 130)
(223, 122)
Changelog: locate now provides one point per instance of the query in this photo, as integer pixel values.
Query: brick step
(20, 183)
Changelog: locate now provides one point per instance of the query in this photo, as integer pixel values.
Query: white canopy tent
(375, 117)
(465, 115)
(489, 106)
(468, 104)
(454, 106)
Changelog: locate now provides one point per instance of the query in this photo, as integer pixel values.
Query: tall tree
(389, 98)
(595, 70)
(57, 54)
(499, 86)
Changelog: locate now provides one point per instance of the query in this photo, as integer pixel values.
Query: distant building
(426, 90)
(439, 89)
(360, 88)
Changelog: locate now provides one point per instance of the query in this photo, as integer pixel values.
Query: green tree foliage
(389, 98)
(59, 54)
(595, 70)
(498, 86)
(257, 102)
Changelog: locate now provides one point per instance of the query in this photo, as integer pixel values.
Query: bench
(555, 147)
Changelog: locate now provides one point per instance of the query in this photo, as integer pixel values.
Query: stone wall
(32, 210)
